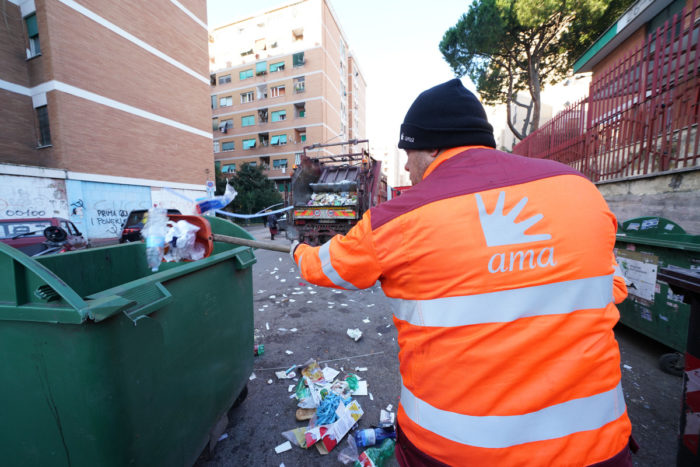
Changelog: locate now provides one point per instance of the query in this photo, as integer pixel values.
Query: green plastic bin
(104, 363)
(643, 246)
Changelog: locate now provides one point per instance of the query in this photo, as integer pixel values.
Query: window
(224, 79)
(228, 169)
(42, 114)
(213, 102)
(278, 140)
(261, 92)
(212, 79)
(249, 143)
(245, 74)
(260, 44)
(225, 125)
(300, 135)
(247, 52)
(248, 120)
(298, 34)
(33, 34)
(264, 139)
(277, 91)
(279, 115)
(262, 115)
(252, 164)
(297, 158)
(228, 146)
(279, 164)
(299, 85)
(246, 97)
(298, 59)
(216, 146)
(260, 68)
(279, 66)
(226, 101)
(300, 109)
(215, 124)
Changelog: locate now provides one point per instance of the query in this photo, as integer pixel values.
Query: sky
(395, 43)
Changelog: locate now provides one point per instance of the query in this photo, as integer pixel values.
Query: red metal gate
(641, 116)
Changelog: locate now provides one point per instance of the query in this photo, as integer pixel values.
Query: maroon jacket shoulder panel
(469, 172)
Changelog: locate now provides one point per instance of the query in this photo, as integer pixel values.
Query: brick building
(104, 108)
(280, 80)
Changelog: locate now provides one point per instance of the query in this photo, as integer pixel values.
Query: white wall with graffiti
(98, 209)
(32, 197)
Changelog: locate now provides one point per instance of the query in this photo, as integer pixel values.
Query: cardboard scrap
(330, 435)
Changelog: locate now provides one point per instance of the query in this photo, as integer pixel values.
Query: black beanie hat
(446, 116)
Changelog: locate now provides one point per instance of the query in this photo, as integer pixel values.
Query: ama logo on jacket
(501, 229)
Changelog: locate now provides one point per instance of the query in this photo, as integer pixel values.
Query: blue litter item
(325, 414)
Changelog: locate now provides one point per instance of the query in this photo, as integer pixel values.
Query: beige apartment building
(104, 109)
(281, 80)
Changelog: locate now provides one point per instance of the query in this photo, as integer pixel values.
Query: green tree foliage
(510, 46)
(220, 179)
(255, 190)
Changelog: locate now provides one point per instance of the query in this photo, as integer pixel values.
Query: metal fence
(641, 116)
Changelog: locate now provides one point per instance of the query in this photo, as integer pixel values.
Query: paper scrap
(293, 330)
(386, 418)
(252, 376)
(286, 446)
(366, 320)
(329, 373)
(370, 305)
(360, 368)
(269, 381)
(291, 387)
(223, 437)
(285, 375)
(267, 325)
(354, 334)
(389, 408)
(371, 397)
(361, 388)
(288, 352)
(627, 367)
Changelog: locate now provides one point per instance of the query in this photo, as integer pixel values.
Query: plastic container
(154, 233)
(109, 364)
(372, 436)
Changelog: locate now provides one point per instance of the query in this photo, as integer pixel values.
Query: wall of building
(673, 196)
(97, 208)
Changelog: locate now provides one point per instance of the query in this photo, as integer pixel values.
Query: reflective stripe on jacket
(505, 283)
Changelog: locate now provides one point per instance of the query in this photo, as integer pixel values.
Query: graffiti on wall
(22, 197)
(102, 208)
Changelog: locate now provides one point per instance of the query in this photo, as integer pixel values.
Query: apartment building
(104, 109)
(281, 80)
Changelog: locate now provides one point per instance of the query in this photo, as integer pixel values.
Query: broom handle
(251, 243)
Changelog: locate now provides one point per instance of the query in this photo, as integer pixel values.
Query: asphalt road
(297, 321)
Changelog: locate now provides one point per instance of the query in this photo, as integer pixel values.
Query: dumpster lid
(657, 231)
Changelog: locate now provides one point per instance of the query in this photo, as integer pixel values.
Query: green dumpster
(104, 363)
(643, 246)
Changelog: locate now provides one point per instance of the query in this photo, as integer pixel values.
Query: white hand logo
(501, 229)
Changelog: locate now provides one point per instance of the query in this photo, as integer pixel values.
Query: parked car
(131, 230)
(38, 236)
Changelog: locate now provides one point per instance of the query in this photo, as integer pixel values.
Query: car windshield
(10, 229)
(136, 219)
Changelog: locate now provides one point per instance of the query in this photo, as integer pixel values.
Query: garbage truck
(331, 190)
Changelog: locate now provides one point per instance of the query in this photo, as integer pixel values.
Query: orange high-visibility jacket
(505, 283)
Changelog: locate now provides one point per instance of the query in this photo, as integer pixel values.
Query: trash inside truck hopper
(332, 187)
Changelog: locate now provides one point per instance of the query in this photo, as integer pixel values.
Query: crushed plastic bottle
(154, 231)
(372, 436)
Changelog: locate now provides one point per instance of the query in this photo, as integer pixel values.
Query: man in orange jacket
(504, 281)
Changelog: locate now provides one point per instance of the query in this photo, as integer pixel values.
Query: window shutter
(32, 29)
